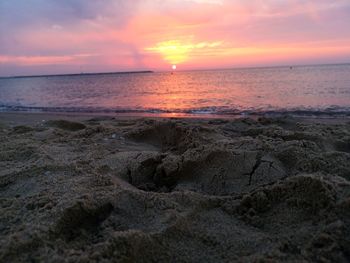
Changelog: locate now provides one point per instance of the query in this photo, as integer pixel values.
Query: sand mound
(168, 136)
(308, 194)
(22, 129)
(66, 125)
(82, 215)
(175, 191)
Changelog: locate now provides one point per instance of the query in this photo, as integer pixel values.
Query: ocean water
(300, 90)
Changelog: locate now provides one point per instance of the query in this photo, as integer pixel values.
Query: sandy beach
(79, 188)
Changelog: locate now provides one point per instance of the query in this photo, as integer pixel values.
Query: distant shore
(78, 74)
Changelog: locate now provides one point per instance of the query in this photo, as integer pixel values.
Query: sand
(102, 189)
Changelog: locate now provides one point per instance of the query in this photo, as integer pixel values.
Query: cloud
(133, 34)
(18, 18)
(26, 13)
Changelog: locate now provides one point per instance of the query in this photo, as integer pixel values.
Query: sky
(74, 36)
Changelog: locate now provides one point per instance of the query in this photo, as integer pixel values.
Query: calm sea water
(303, 90)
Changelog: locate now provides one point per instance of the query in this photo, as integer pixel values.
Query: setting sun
(174, 67)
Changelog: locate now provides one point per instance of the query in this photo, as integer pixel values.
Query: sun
(174, 67)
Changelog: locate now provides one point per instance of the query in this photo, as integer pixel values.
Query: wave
(332, 111)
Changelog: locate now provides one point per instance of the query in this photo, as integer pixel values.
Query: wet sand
(102, 189)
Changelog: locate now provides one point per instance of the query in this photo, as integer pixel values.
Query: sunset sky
(73, 36)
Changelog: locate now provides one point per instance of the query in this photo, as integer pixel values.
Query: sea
(318, 90)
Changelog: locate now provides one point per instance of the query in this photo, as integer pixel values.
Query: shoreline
(93, 188)
(36, 117)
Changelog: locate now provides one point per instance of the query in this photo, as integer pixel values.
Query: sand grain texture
(143, 190)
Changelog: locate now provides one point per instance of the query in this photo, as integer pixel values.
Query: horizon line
(145, 71)
(77, 74)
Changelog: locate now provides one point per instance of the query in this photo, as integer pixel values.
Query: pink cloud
(250, 32)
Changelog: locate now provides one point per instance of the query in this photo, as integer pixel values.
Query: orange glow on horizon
(149, 35)
(176, 52)
(208, 53)
(211, 54)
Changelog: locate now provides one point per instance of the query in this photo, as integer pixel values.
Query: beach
(82, 188)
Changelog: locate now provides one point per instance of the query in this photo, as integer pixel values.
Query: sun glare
(176, 51)
(172, 51)
(174, 67)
